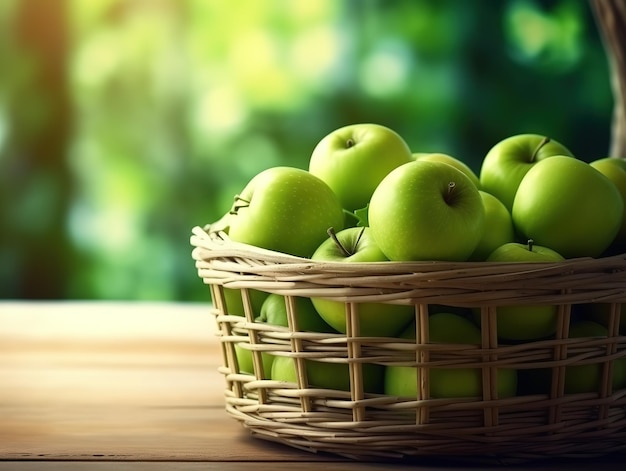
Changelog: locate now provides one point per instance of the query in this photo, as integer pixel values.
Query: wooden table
(110, 385)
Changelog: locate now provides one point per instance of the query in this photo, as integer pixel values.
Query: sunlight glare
(386, 70)
(315, 54)
(219, 110)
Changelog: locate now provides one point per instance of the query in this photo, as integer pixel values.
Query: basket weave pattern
(359, 424)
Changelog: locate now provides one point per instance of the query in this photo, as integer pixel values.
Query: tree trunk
(37, 144)
(611, 19)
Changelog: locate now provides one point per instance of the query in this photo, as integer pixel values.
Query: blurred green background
(124, 123)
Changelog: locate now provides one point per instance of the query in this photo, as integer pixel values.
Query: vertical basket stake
(611, 348)
(489, 337)
(296, 346)
(355, 368)
(225, 331)
(557, 389)
(253, 339)
(422, 357)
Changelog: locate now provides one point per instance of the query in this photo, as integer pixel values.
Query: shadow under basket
(542, 420)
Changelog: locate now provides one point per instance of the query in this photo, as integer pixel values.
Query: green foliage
(177, 104)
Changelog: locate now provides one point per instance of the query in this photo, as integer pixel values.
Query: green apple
(587, 378)
(528, 252)
(448, 159)
(437, 312)
(274, 312)
(234, 306)
(509, 160)
(461, 311)
(524, 322)
(328, 375)
(615, 170)
(499, 229)
(245, 362)
(353, 160)
(285, 209)
(448, 382)
(601, 312)
(426, 211)
(234, 301)
(567, 205)
(448, 328)
(356, 245)
(619, 161)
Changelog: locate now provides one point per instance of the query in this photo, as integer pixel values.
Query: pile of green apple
(368, 197)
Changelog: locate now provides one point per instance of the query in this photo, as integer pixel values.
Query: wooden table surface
(112, 385)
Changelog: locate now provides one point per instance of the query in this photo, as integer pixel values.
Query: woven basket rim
(220, 260)
(219, 241)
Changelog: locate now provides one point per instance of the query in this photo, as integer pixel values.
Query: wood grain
(82, 381)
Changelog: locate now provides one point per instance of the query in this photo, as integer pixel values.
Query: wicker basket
(362, 425)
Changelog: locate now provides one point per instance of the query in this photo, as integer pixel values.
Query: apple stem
(350, 143)
(451, 187)
(238, 203)
(530, 245)
(358, 239)
(333, 235)
(543, 142)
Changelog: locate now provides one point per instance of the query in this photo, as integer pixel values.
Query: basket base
(363, 444)
(415, 457)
